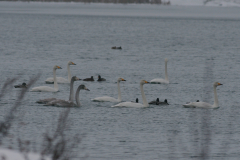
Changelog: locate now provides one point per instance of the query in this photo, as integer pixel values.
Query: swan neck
(77, 97)
(166, 74)
(145, 103)
(215, 97)
(119, 92)
(55, 79)
(71, 91)
(69, 73)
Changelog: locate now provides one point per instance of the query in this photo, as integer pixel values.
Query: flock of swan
(70, 103)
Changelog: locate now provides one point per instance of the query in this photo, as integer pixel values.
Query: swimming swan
(160, 80)
(46, 88)
(63, 103)
(61, 79)
(137, 105)
(204, 104)
(71, 95)
(111, 99)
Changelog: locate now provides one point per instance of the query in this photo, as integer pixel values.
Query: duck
(157, 102)
(100, 78)
(23, 85)
(89, 79)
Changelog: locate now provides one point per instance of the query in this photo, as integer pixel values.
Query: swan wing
(44, 89)
(59, 80)
(198, 105)
(129, 104)
(105, 99)
(159, 81)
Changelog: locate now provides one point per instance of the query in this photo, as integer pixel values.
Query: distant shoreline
(158, 2)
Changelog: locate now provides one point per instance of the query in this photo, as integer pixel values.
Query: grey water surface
(201, 44)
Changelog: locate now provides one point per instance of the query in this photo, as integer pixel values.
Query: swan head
(84, 87)
(157, 100)
(143, 82)
(165, 101)
(121, 79)
(24, 84)
(71, 63)
(99, 77)
(75, 78)
(56, 67)
(137, 100)
(166, 60)
(217, 84)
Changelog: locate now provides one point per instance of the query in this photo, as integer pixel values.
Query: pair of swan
(204, 104)
(63, 103)
(111, 99)
(73, 79)
(61, 79)
(46, 88)
(160, 80)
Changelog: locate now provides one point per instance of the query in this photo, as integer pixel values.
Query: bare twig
(6, 123)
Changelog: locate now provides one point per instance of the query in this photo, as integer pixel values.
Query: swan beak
(73, 63)
(123, 79)
(78, 79)
(59, 67)
(146, 81)
(86, 89)
(220, 84)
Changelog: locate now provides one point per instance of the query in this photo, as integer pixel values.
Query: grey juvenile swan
(63, 103)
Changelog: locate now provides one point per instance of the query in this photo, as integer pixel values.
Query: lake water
(201, 44)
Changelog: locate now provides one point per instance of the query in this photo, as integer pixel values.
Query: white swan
(137, 105)
(61, 79)
(71, 95)
(204, 104)
(111, 99)
(46, 88)
(63, 103)
(160, 80)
